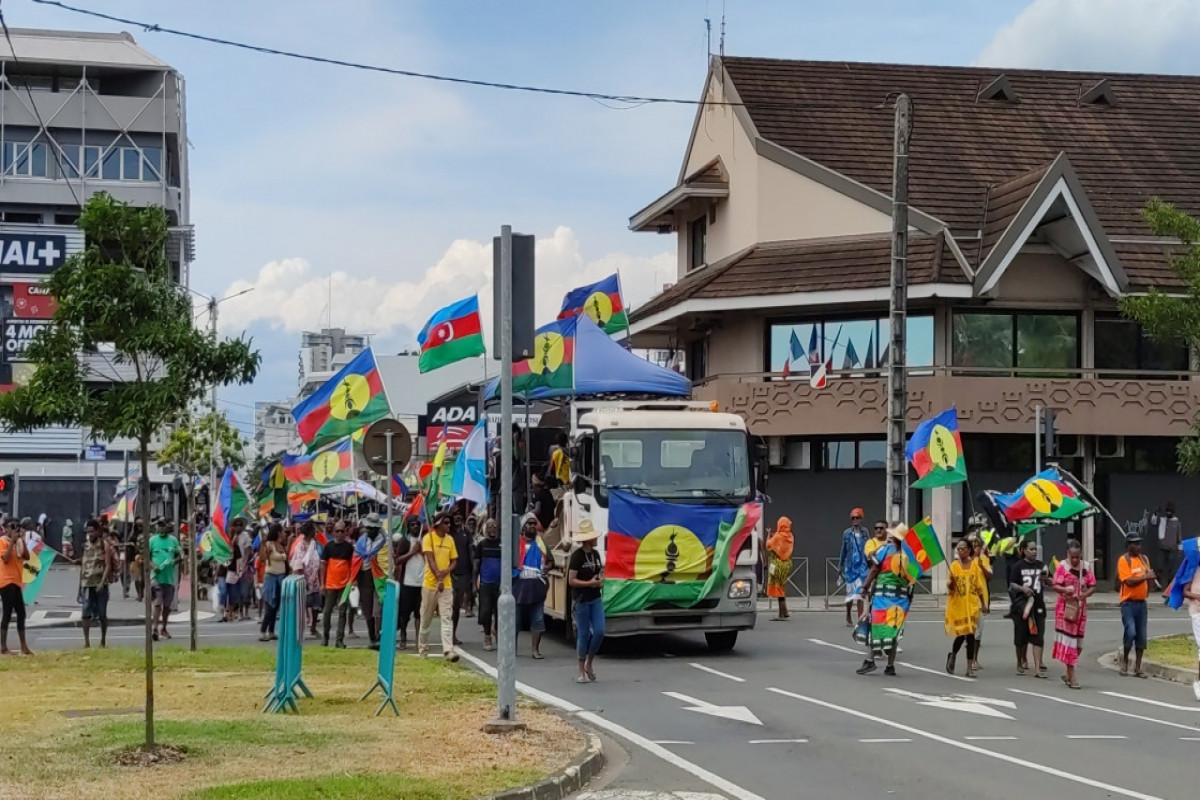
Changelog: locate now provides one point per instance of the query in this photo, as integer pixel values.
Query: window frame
(697, 260)
(881, 322)
(1015, 314)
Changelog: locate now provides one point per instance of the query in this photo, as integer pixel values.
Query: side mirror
(580, 485)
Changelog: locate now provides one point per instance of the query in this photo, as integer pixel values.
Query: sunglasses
(855, 517)
(881, 527)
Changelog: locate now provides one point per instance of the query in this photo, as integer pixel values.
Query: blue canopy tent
(603, 367)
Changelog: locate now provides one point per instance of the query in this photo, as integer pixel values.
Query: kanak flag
(351, 399)
(327, 468)
(601, 301)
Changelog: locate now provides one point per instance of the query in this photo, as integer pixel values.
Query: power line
(630, 100)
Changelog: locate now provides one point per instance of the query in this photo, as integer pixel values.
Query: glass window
(790, 344)
(110, 167)
(91, 161)
(982, 340)
(131, 164)
(872, 455)
(850, 344)
(1048, 341)
(1122, 345)
(37, 160)
(682, 464)
(152, 168)
(839, 455)
(918, 333)
(697, 239)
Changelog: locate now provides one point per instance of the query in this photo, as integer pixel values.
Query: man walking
(1133, 576)
(487, 578)
(1170, 542)
(441, 555)
(852, 563)
(410, 572)
(369, 547)
(165, 556)
(335, 576)
(1028, 611)
(529, 581)
(98, 568)
(464, 571)
(12, 559)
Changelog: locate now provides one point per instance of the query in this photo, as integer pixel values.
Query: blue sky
(389, 189)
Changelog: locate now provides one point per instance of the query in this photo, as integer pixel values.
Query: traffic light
(1049, 432)
(6, 491)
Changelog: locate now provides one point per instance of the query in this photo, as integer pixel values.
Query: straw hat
(586, 531)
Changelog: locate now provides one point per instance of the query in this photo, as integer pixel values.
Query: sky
(312, 182)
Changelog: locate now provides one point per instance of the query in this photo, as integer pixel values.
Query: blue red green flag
(329, 467)
(601, 301)
(923, 549)
(936, 453)
(1045, 496)
(553, 361)
(452, 334)
(232, 502)
(351, 399)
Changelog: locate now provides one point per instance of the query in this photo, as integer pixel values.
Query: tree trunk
(143, 506)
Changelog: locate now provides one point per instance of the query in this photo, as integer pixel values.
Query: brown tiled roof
(840, 115)
(1149, 264)
(1003, 202)
(811, 265)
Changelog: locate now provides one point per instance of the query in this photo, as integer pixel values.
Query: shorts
(462, 589)
(163, 594)
(314, 600)
(1025, 634)
(854, 590)
(533, 615)
(95, 603)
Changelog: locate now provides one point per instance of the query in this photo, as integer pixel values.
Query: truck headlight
(740, 590)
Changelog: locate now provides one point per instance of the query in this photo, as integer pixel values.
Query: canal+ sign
(31, 253)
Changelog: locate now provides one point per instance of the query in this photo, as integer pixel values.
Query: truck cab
(675, 453)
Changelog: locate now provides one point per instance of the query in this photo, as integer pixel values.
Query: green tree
(122, 357)
(190, 448)
(1175, 317)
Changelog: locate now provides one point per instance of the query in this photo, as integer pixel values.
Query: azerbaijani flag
(669, 552)
(601, 301)
(232, 502)
(553, 361)
(33, 571)
(936, 452)
(452, 334)
(922, 548)
(1045, 496)
(349, 400)
(328, 467)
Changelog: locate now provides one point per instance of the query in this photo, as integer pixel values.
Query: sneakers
(452, 657)
(889, 670)
(487, 644)
(1196, 689)
(867, 668)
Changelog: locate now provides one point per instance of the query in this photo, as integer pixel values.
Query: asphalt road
(828, 733)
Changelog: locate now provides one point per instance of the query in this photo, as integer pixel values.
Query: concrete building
(324, 352)
(79, 113)
(274, 428)
(1026, 191)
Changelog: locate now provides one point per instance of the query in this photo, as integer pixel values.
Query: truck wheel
(721, 641)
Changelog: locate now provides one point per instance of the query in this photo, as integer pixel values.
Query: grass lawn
(208, 704)
(1178, 651)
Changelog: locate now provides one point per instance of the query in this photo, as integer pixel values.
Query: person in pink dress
(1074, 583)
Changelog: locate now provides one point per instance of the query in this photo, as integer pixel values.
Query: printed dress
(964, 603)
(891, 597)
(1068, 636)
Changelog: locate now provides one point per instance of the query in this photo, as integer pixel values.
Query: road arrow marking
(738, 713)
(970, 704)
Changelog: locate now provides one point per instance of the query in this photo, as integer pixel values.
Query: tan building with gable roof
(1026, 190)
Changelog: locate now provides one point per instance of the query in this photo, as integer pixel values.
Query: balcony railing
(1086, 401)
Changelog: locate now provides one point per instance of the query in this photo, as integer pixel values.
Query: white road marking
(972, 705)
(1148, 701)
(778, 741)
(904, 664)
(738, 713)
(990, 738)
(1189, 738)
(716, 672)
(883, 741)
(695, 770)
(1093, 736)
(1107, 710)
(671, 741)
(1020, 762)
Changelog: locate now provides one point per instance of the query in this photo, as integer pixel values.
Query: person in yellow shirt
(982, 565)
(437, 594)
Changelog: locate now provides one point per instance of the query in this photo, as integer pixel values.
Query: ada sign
(33, 253)
(465, 415)
(95, 452)
(18, 334)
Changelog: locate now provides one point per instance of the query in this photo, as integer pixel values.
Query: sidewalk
(57, 605)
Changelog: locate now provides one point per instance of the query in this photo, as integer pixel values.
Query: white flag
(469, 481)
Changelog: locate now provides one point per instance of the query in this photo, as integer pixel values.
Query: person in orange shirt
(1133, 575)
(12, 558)
(779, 564)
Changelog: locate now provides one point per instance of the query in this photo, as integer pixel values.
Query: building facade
(79, 113)
(324, 352)
(1026, 192)
(274, 428)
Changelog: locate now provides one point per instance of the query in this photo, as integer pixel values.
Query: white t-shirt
(414, 568)
(1194, 605)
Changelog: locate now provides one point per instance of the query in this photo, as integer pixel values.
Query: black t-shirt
(1027, 573)
(338, 551)
(463, 542)
(587, 565)
(543, 506)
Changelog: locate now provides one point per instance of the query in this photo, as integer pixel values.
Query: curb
(74, 623)
(571, 779)
(1154, 669)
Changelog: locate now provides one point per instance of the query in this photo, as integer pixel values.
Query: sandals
(1142, 675)
(950, 659)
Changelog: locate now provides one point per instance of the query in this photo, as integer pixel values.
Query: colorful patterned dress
(965, 600)
(891, 597)
(1068, 636)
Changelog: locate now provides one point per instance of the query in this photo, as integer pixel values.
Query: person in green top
(165, 556)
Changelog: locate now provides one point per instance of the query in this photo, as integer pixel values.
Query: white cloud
(1101, 35)
(289, 296)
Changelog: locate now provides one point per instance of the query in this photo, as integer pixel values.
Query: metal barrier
(289, 655)
(792, 581)
(384, 680)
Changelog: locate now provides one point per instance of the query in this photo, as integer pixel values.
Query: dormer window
(697, 240)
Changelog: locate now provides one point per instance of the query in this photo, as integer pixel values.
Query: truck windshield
(676, 464)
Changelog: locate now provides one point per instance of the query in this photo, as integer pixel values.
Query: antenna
(708, 35)
(330, 317)
(722, 29)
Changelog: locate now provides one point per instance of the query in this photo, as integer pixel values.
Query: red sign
(33, 301)
(455, 435)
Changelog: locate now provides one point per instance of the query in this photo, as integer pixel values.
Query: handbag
(1071, 608)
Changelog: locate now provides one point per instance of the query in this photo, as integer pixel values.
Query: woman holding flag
(889, 585)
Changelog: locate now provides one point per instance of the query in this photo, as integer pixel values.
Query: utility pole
(897, 410)
(1037, 460)
(212, 451)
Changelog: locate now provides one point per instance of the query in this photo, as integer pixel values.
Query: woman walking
(274, 561)
(983, 566)
(1074, 583)
(585, 574)
(962, 608)
(779, 564)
